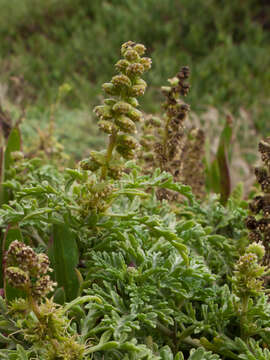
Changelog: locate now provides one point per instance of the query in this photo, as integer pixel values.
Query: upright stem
(34, 306)
(243, 317)
(165, 136)
(111, 145)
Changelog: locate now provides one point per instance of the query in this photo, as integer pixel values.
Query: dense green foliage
(132, 277)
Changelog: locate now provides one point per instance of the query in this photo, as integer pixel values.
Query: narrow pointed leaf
(63, 253)
(13, 144)
(223, 162)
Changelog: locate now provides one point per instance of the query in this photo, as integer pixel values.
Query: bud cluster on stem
(27, 270)
(119, 114)
(176, 150)
(258, 223)
(248, 281)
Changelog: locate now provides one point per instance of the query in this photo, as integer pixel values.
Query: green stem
(34, 306)
(165, 330)
(111, 145)
(243, 317)
(166, 135)
(193, 342)
(51, 332)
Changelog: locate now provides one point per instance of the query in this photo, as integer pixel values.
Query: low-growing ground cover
(46, 44)
(109, 260)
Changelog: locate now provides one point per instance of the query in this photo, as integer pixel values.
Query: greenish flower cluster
(176, 150)
(119, 114)
(42, 322)
(248, 272)
(27, 270)
(93, 196)
(259, 222)
(170, 129)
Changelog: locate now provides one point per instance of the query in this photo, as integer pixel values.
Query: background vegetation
(46, 44)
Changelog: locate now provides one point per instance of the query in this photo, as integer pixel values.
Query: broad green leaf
(59, 296)
(63, 253)
(223, 162)
(217, 172)
(13, 144)
(214, 177)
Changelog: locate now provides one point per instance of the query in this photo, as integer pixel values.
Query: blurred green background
(45, 44)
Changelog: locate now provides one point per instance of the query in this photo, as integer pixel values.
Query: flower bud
(166, 89)
(132, 55)
(135, 69)
(103, 112)
(122, 107)
(121, 80)
(140, 82)
(260, 173)
(125, 152)
(247, 260)
(29, 274)
(121, 65)
(155, 121)
(110, 89)
(133, 101)
(184, 108)
(265, 185)
(17, 277)
(14, 249)
(127, 141)
(257, 204)
(140, 48)
(185, 89)
(107, 126)
(115, 172)
(110, 102)
(174, 81)
(266, 211)
(251, 223)
(137, 90)
(43, 286)
(43, 263)
(184, 73)
(257, 249)
(146, 63)
(255, 235)
(127, 45)
(126, 124)
(20, 254)
(89, 164)
(264, 146)
(135, 114)
(98, 157)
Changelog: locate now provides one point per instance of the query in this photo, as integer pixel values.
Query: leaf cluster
(137, 278)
